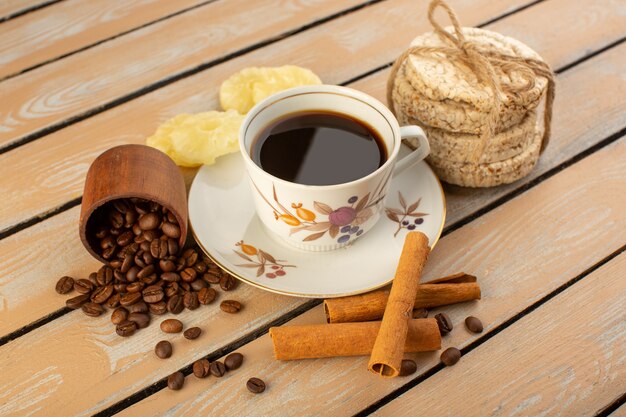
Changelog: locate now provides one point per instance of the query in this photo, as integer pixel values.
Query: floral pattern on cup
(342, 224)
(261, 260)
(406, 217)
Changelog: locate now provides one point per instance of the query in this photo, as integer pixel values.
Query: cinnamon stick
(388, 349)
(347, 339)
(371, 306)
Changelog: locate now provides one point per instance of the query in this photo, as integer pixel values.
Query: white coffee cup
(325, 217)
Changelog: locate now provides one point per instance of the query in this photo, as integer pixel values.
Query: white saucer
(221, 213)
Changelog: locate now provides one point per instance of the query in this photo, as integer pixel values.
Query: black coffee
(319, 148)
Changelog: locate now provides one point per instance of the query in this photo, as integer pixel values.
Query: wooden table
(80, 76)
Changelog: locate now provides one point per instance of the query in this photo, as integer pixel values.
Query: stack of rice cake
(447, 100)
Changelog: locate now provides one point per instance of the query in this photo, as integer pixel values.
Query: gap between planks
(9, 12)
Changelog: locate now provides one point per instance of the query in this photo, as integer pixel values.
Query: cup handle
(417, 155)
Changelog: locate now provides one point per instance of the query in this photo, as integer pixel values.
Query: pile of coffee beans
(145, 273)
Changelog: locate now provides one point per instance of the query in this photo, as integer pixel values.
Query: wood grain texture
(566, 358)
(71, 86)
(73, 24)
(11, 7)
(53, 167)
(520, 252)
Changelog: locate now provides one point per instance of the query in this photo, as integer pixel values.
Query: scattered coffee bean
(233, 361)
(83, 286)
(227, 282)
(217, 369)
(407, 367)
(201, 368)
(175, 304)
(146, 271)
(206, 295)
(176, 381)
(139, 307)
(230, 306)
(450, 356)
(212, 277)
(64, 285)
(126, 328)
(420, 313)
(93, 278)
(113, 301)
(77, 302)
(192, 333)
(171, 326)
(190, 256)
(190, 300)
(200, 267)
(135, 287)
(255, 385)
(198, 284)
(141, 319)
(171, 230)
(130, 298)
(149, 221)
(119, 315)
(167, 266)
(102, 294)
(158, 308)
(153, 294)
(444, 323)
(163, 349)
(104, 276)
(188, 274)
(473, 324)
(92, 309)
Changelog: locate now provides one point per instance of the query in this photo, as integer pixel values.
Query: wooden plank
(53, 168)
(520, 253)
(566, 358)
(13, 7)
(73, 24)
(71, 86)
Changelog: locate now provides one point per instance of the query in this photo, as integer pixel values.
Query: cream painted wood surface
(520, 252)
(51, 178)
(566, 358)
(73, 24)
(603, 72)
(590, 105)
(10, 7)
(71, 86)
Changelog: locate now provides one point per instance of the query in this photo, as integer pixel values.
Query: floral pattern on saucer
(402, 216)
(261, 260)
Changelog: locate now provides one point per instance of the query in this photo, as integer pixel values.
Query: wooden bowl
(131, 171)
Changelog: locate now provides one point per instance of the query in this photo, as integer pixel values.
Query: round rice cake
(446, 94)
(488, 174)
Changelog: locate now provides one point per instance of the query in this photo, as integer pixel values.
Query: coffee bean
(139, 260)
(153, 294)
(190, 256)
(101, 294)
(107, 242)
(116, 231)
(93, 278)
(149, 221)
(170, 277)
(212, 277)
(175, 304)
(201, 368)
(473, 324)
(126, 265)
(130, 218)
(198, 284)
(420, 313)
(92, 309)
(130, 298)
(227, 282)
(255, 385)
(407, 367)
(121, 205)
(217, 369)
(167, 266)
(116, 219)
(171, 230)
(230, 306)
(172, 289)
(125, 238)
(150, 279)
(135, 287)
(131, 275)
(104, 276)
(139, 307)
(171, 326)
(83, 286)
(64, 285)
(119, 276)
(192, 333)
(184, 286)
(113, 301)
(77, 302)
(172, 247)
(190, 300)
(158, 308)
(119, 315)
(450, 356)
(121, 288)
(176, 381)
(163, 349)
(147, 270)
(206, 295)
(109, 252)
(180, 264)
(233, 361)
(126, 328)
(444, 323)
(158, 249)
(200, 267)
(101, 232)
(188, 274)
(141, 319)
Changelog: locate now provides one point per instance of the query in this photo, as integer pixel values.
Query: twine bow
(484, 62)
